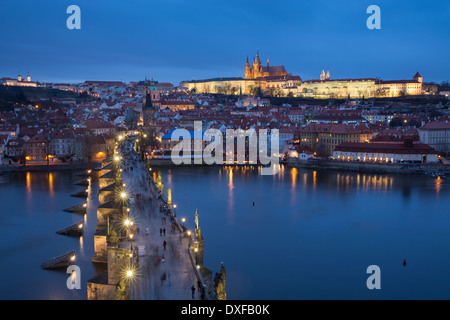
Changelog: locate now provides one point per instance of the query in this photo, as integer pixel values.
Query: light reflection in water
(294, 173)
(50, 184)
(82, 245)
(314, 179)
(230, 195)
(28, 182)
(367, 182)
(438, 185)
(29, 193)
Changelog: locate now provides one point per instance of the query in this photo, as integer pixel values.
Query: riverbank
(370, 167)
(52, 167)
(439, 169)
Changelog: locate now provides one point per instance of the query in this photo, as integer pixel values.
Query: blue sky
(174, 40)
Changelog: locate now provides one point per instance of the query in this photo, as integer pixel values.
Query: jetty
(75, 230)
(60, 262)
(81, 194)
(86, 173)
(83, 182)
(79, 208)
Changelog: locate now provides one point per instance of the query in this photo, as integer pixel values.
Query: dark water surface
(310, 234)
(31, 213)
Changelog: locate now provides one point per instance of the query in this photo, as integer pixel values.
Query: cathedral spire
(267, 62)
(322, 75)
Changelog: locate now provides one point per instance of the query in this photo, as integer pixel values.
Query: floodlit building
(407, 152)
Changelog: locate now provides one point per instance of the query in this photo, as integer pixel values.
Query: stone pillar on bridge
(219, 284)
(199, 245)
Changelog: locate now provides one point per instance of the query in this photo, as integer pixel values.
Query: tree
(395, 122)
(414, 123)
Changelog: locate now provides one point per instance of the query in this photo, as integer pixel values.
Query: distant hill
(11, 96)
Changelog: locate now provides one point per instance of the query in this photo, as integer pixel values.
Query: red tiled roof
(438, 125)
(396, 148)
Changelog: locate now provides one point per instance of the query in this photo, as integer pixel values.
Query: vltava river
(309, 235)
(31, 213)
(312, 234)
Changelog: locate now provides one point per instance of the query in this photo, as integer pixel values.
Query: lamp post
(188, 233)
(175, 210)
(196, 254)
(130, 275)
(123, 197)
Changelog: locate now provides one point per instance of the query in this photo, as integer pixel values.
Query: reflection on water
(323, 227)
(230, 194)
(50, 184)
(32, 212)
(438, 184)
(340, 181)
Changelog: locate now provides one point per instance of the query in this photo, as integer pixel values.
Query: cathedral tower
(248, 71)
(322, 75)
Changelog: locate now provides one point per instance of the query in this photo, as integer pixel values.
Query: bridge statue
(219, 284)
(196, 218)
(121, 292)
(113, 238)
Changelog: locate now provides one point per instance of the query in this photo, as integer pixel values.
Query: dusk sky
(174, 40)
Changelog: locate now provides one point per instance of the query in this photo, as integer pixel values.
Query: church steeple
(322, 75)
(248, 71)
(267, 62)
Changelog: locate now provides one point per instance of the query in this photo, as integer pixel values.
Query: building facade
(437, 135)
(323, 138)
(393, 153)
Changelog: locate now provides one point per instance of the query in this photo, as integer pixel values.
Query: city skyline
(168, 41)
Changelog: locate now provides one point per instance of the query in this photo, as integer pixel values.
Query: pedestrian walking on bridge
(164, 244)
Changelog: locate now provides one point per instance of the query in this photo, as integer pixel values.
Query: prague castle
(276, 81)
(257, 78)
(325, 87)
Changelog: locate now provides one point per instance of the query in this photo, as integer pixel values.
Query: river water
(309, 235)
(31, 213)
(313, 234)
